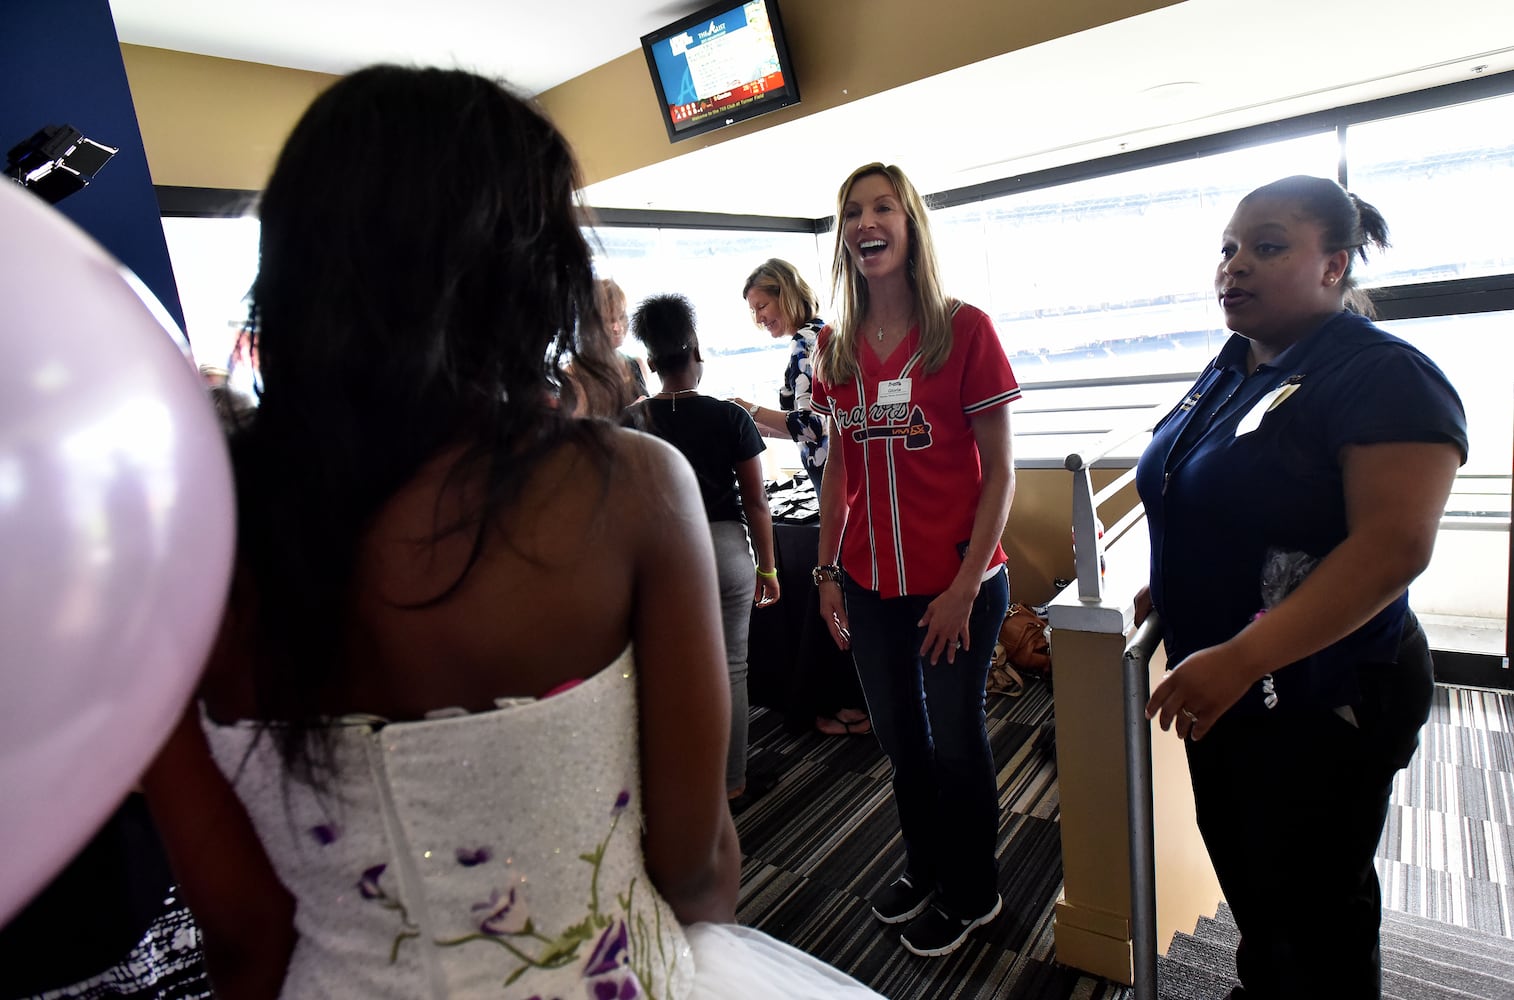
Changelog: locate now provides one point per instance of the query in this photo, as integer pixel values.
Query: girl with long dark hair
(464, 731)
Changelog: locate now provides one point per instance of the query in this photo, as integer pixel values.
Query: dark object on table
(793, 501)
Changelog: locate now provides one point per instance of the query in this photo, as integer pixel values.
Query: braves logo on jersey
(898, 422)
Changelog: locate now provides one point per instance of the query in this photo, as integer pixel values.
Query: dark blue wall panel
(60, 63)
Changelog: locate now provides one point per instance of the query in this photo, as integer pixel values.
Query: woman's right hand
(1142, 605)
(833, 613)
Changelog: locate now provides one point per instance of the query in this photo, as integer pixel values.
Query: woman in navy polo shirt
(916, 493)
(1292, 496)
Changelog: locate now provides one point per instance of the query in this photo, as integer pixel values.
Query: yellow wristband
(767, 574)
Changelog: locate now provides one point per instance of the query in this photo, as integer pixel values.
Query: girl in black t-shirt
(722, 444)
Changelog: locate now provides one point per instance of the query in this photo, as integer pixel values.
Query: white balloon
(116, 537)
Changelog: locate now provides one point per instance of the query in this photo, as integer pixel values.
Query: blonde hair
(839, 363)
(610, 298)
(796, 300)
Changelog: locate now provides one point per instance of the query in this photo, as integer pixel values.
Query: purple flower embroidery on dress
(369, 886)
(371, 890)
(504, 913)
(608, 970)
(325, 834)
(468, 857)
(619, 962)
(610, 950)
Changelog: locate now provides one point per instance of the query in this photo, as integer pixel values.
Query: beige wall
(1093, 918)
(219, 123)
(215, 123)
(1038, 537)
(843, 50)
(1093, 930)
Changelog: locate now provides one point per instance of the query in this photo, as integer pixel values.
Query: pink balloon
(116, 536)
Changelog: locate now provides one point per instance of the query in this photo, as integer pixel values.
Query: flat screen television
(720, 65)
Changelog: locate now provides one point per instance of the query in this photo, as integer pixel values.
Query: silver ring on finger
(1188, 715)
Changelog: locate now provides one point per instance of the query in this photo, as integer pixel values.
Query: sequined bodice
(491, 855)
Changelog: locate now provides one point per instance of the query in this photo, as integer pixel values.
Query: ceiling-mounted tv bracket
(56, 162)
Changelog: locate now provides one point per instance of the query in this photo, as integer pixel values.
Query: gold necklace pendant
(671, 395)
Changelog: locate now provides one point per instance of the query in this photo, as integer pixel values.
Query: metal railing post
(1143, 878)
(1089, 555)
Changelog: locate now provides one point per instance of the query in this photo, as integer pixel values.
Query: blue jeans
(929, 720)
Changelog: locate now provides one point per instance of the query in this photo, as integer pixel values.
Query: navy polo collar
(1233, 354)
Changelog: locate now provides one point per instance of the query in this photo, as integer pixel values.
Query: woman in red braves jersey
(916, 493)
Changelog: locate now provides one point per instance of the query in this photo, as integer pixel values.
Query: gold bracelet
(767, 574)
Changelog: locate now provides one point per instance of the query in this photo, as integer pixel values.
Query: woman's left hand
(767, 590)
(1198, 691)
(945, 622)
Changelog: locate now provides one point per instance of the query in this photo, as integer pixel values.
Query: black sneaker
(936, 932)
(900, 900)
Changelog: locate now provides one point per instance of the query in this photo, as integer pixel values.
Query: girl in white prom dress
(464, 732)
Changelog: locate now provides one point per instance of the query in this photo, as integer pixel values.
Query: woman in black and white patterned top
(783, 305)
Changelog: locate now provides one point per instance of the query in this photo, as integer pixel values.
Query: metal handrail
(1143, 875)
(1088, 558)
(1080, 460)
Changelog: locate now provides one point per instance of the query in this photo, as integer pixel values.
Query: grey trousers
(737, 574)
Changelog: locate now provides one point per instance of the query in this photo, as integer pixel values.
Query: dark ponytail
(1348, 223)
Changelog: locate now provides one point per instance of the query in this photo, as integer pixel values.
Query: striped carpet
(1448, 850)
(1422, 960)
(825, 837)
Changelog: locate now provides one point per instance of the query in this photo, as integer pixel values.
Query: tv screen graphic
(726, 63)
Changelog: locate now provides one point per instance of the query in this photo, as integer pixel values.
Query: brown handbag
(1024, 645)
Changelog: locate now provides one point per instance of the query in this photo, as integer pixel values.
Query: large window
(1099, 281)
(1123, 259)
(1101, 288)
(1108, 278)
(214, 262)
(709, 266)
(1442, 179)
(1099, 277)
(1477, 354)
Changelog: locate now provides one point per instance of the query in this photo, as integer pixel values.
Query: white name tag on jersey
(894, 391)
(1251, 421)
